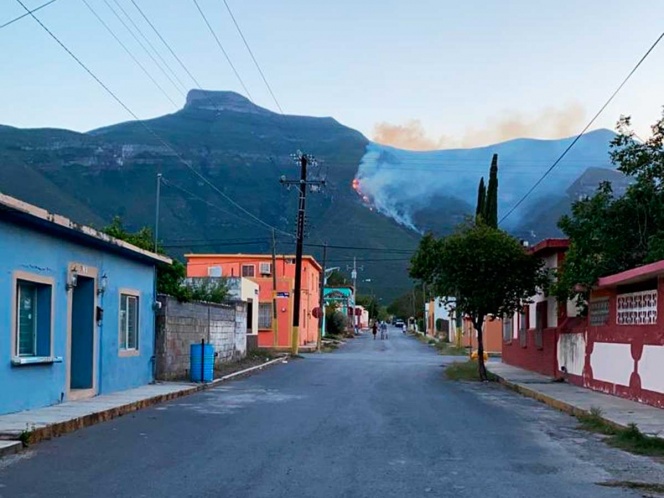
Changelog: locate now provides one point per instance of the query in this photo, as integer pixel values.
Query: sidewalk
(578, 400)
(56, 420)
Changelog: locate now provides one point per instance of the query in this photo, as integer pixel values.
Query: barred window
(507, 329)
(265, 315)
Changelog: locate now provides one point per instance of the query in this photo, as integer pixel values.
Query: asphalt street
(373, 419)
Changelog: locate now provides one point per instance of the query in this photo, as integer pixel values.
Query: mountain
(243, 150)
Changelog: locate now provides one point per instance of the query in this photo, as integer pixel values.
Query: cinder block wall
(181, 324)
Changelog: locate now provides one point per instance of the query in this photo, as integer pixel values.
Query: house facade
(530, 338)
(434, 311)
(619, 349)
(76, 310)
(275, 312)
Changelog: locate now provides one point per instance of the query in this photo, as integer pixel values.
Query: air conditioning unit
(214, 271)
(265, 268)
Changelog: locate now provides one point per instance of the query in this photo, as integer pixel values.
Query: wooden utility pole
(304, 160)
(275, 321)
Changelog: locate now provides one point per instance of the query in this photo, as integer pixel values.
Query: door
(82, 354)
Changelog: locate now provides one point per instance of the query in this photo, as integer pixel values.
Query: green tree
(610, 234)
(337, 279)
(481, 200)
(488, 272)
(491, 203)
(170, 278)
(408, 304)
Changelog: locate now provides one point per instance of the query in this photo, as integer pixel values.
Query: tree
(487, 271)
(170, 278)
(337, 279)
(408, 304)
(481, 200)
(491, 203)
(610, 234)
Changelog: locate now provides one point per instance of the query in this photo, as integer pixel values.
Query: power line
(578, 137)
(142, 123)
(157, 53)
(251, 53)
(166, 44)
(138, 63)
(26, 14)
(221, 47)
(161, 68)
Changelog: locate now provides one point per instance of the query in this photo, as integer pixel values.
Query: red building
(530, 338)
(619, 350)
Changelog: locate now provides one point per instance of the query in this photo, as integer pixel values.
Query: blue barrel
(207, 360)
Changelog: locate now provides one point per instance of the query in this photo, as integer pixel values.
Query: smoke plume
(550, 123)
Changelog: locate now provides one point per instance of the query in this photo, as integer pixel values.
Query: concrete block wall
(181, 324)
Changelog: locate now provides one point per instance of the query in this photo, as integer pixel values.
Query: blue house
(76, 310)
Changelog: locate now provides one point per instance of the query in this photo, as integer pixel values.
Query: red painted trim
(550, 245)
(634, 275)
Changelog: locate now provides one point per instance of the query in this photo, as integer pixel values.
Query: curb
(10, 447)
(550, 401)
(61, 428)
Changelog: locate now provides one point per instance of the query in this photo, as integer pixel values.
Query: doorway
(82, 352)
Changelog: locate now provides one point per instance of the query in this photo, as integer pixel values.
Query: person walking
(374, 329)
(383, 330)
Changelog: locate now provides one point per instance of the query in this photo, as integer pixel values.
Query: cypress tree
(491, 203)
(481, 200)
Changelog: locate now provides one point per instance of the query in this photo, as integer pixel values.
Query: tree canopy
(609, 234)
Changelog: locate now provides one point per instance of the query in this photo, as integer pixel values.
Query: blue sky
(458, 69)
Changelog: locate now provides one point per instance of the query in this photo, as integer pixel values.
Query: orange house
(492, 335)
(258, 267)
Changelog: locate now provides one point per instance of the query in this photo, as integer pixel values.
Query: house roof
(241, 256)
(60, 226)
(632, 276)
(550, 246)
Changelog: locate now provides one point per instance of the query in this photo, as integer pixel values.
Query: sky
(419, 74)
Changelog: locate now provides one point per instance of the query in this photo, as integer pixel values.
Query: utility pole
(321, 319)
(304, 160)
(275, 321)
(156, 214)
(353, 276)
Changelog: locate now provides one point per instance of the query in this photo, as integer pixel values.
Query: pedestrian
(383, 329)
(374, 329)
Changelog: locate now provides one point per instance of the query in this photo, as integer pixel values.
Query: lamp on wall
(103, 283)
(73, 280)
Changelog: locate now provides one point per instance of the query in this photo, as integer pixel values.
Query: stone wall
(181, 324)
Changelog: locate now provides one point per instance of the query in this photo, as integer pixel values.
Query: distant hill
(244, 149)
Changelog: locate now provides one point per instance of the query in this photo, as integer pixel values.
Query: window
(248, 270)
(266, 268)
(128, 322)
(598, 310)
(507, 329)
(33, 319)
(214, 271)
(523, 327)
(265, 315)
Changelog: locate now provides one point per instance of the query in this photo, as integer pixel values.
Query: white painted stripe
(651, 368)
(612, 362)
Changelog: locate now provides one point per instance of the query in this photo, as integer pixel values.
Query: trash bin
(201, 362)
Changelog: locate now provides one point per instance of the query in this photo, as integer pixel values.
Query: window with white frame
(265, 315)
(128, 322)
(266, 268)
(33, 319)
(248, 270)
(214, 271)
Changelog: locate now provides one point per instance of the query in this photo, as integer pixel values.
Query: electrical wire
(135, 37)
(138, 63)
(26, 14)
(251, 53)
(147, 40)
(221, 47)
(142, 123)
(578, 137)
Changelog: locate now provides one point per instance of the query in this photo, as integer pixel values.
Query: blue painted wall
(31, 386)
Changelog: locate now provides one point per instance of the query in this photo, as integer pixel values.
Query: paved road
(375, 419)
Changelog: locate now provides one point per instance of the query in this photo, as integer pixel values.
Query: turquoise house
(76, 310)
